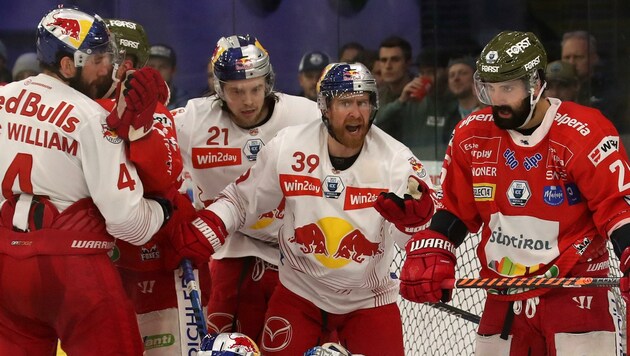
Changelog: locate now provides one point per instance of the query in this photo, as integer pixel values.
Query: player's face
(460, 80)
(246, 100)
(510, 102)
(349, 116)
(95, 77)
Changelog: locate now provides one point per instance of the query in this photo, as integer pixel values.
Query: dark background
(288, 28)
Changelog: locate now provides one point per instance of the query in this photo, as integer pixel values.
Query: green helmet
(511, 55)
(131, 37)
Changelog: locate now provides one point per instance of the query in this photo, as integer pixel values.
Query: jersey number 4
(22, 165)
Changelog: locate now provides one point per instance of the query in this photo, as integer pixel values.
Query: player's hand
(136, 100)
(430, 260)
(198, 238)
(624, 266)
(183, 210)
(412, 211)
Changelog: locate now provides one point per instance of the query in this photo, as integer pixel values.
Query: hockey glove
(199, 238)
(624, 266)
(163, 92)
(430, 260)
(412, 211)
(136, 100)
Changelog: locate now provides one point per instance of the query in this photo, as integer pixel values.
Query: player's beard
(350, 141)
(516, 117)
(96, 89)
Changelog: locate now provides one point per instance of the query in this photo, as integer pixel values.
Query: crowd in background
(422, 98)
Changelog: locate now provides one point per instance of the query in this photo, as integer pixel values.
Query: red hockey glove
(136, 99)
(199, 238)
(163, 92)
(408, 214)
(430, 260)
(624, 266)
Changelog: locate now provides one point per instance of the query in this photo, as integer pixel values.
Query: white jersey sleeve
(58, 139)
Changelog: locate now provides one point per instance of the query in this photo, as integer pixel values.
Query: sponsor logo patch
(361, 198)
(519, 193)
(296, 185)
(605, 148)
(484, 191)
(211, 157)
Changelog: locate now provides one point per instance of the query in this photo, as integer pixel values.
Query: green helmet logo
(511, 55)
(131, 37)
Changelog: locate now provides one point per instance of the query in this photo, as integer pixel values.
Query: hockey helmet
(228, 344)
(130, 37)
(510, 55)
(342, 78)
(71, 32)
(240, 57)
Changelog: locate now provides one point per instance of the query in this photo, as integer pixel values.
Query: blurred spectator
(598, 88)
(377, 73)
(425, 124)
(5, 74)
(432, 62)
(163, 59)
(350, 51)
(562, 81)
(311, 66)
(26, 66)
(395, 56)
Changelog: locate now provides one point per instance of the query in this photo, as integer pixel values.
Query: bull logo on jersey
(252, 147)
(333, 187)
(110, 135)
(335, 242)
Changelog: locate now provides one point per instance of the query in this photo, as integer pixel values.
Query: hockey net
(430, 331)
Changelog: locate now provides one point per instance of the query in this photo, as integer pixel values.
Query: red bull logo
(311, 239)
(351, 74)
(243, 343)
(356, 246)
(69, 27)
(335, 242)
(244, 63)
(110, 135)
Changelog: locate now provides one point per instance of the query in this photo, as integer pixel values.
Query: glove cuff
(204, 222)
(429, 241)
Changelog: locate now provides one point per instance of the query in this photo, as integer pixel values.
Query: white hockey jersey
(55, 143)
(336, 249)
(216, 152)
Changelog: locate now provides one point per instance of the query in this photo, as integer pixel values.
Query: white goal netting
(429, 331)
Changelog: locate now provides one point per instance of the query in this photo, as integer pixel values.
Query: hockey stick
(455, 311)
(531, 282)
(195, 297)
(449, 308)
